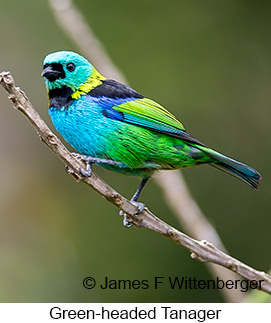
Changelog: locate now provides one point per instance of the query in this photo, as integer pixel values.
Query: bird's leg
(89, 160)
(139, 190)
(134, 200)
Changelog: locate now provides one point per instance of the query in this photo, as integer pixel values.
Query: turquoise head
(66, 68)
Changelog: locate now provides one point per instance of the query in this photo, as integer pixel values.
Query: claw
(126, 222)
(88, 162)
(140, 206)
(88, 170)
(67, 169)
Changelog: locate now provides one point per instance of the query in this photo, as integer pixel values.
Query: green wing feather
(148, 110)
(151, 115)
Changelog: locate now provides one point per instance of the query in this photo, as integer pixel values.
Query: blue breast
(84, 126)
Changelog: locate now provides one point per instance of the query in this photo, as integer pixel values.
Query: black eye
(70, 67)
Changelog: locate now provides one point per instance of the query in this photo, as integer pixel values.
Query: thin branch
(182, 203)
(172, 183)
(201, 250)
(191, 218)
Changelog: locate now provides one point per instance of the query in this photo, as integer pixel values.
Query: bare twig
(181, 202)
(172, 183)
(191, 218)
(201, 250)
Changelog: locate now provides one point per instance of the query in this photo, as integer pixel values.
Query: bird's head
(66, 68)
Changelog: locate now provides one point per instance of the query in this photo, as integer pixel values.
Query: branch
(194, 222)
(200, 250)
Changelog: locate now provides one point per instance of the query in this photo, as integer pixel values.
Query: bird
(115, 127)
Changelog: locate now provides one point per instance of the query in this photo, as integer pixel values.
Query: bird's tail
(233, 167)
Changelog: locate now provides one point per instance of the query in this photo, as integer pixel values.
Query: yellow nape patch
(93, 81)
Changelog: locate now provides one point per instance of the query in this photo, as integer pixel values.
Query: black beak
(52, 72)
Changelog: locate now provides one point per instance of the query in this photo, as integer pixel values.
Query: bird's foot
(89, 160)
(140, 206)
(126, 222)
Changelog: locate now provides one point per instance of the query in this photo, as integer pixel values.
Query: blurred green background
(206, 61)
